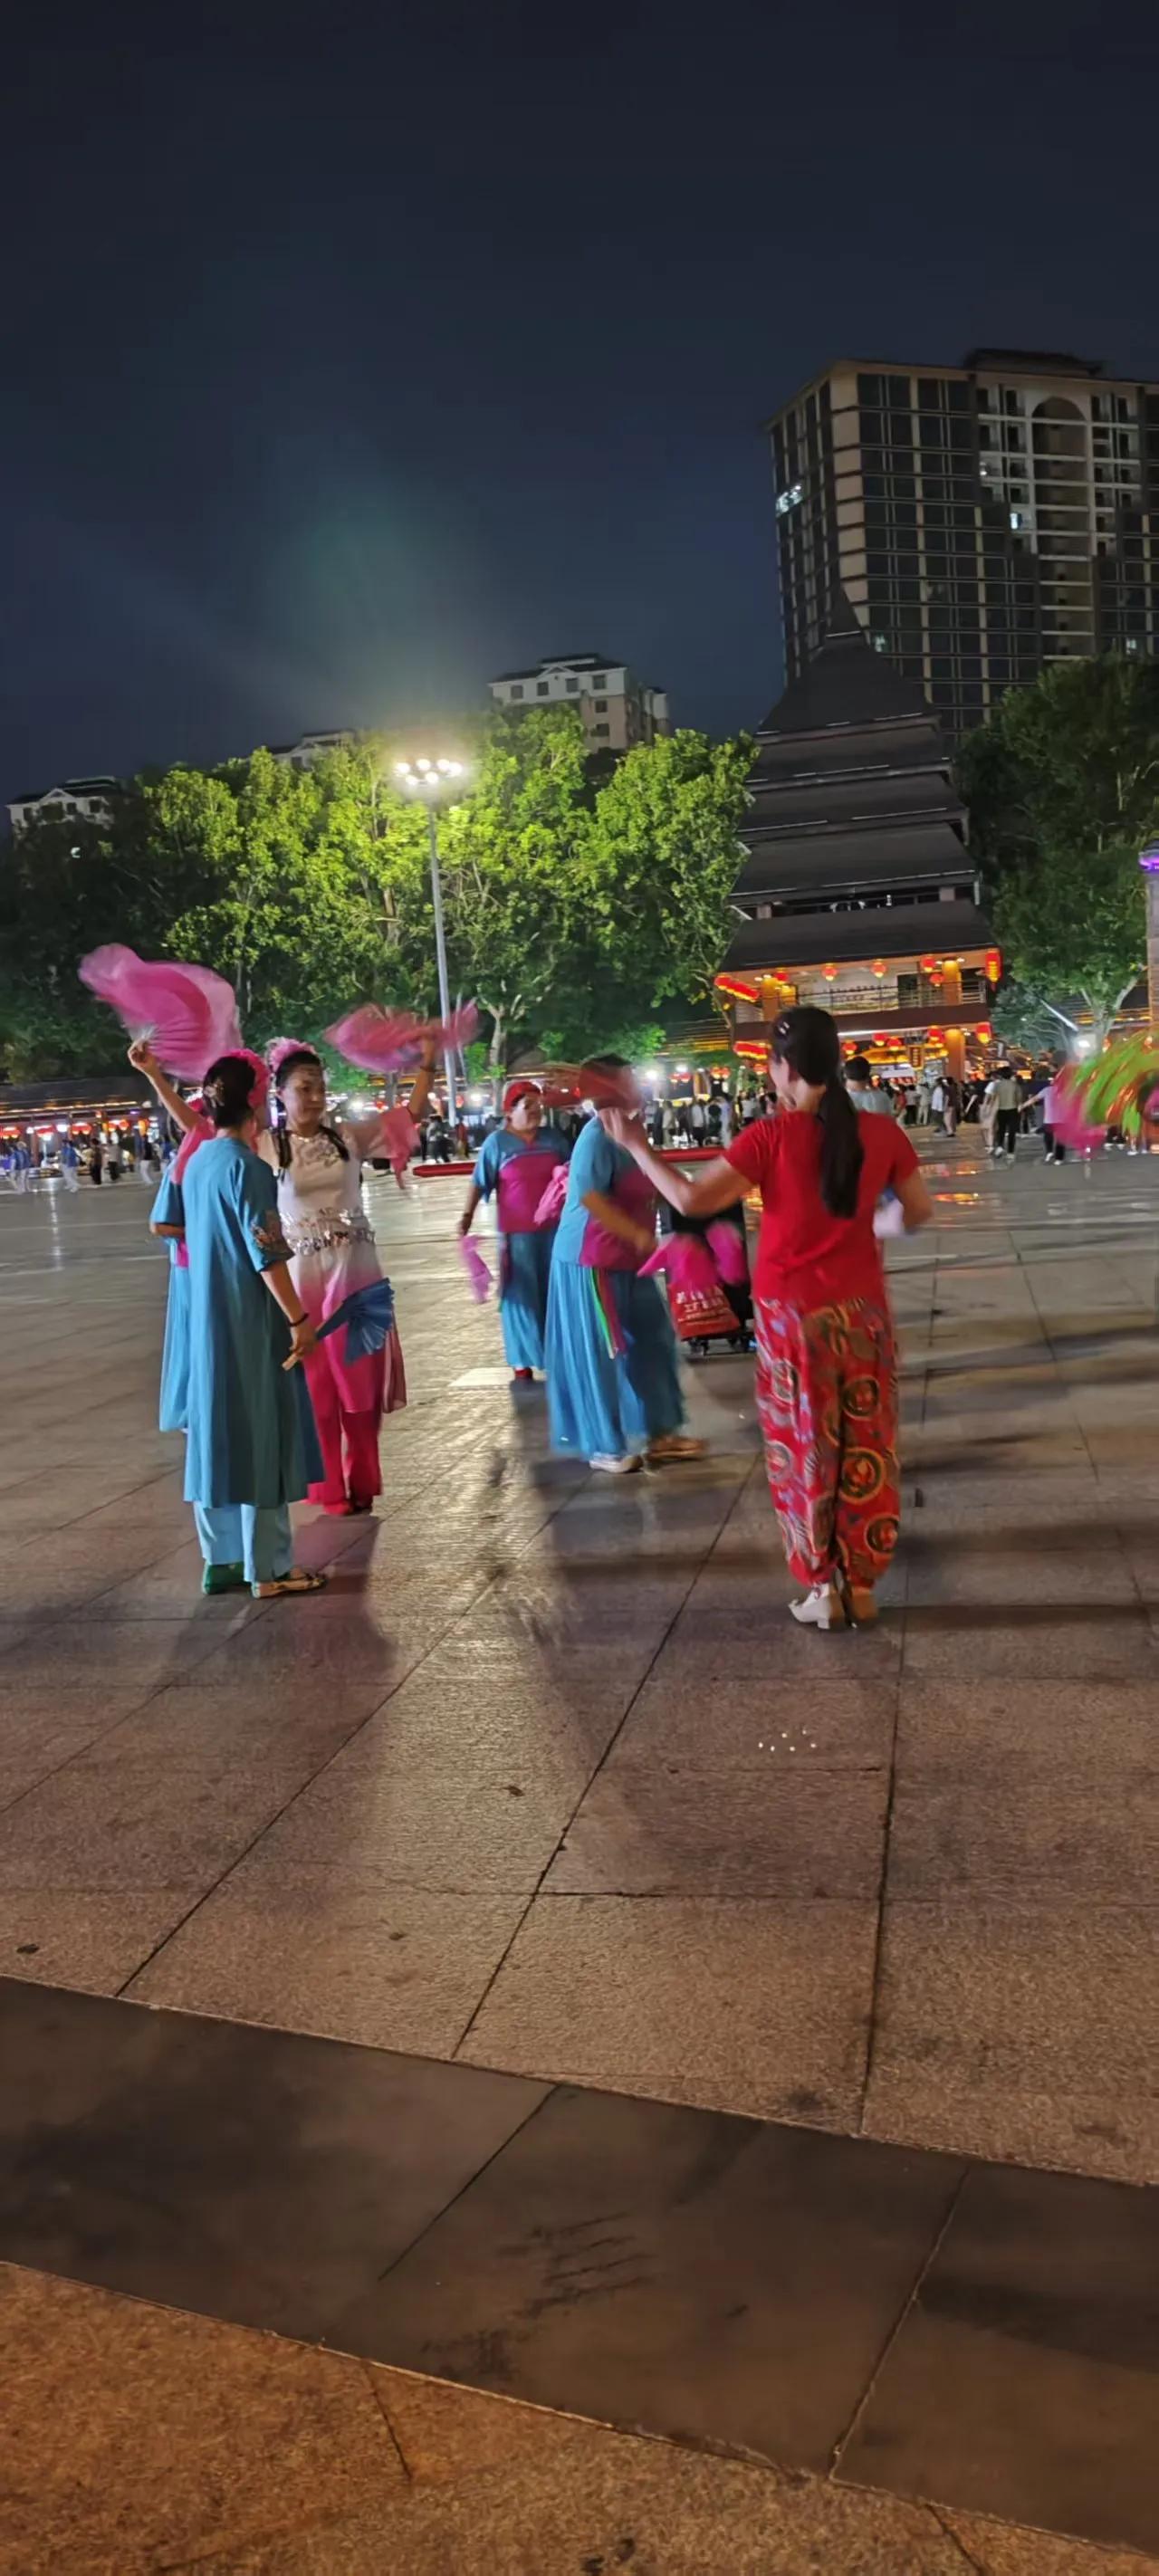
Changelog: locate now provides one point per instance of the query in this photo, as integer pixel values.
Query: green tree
(516, 865)
(668, 852)
(1063, 789)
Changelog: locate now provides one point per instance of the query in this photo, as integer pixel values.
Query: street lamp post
(430, 779)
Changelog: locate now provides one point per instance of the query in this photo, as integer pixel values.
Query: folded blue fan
(368, 1314)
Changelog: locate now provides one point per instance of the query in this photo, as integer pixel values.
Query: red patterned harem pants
(826, 1390)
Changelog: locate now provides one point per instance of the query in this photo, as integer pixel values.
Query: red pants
(827, 1398)
(348, 1441)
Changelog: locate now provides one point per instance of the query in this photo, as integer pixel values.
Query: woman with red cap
(515, 1165)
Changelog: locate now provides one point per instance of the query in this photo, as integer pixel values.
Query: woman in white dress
(318, 1168)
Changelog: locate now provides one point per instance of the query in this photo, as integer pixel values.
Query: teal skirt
(613, 1377)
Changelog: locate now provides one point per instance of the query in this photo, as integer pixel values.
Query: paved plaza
(534, 1964)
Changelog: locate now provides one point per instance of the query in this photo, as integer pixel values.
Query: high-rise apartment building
(983, 520)
(616, 709)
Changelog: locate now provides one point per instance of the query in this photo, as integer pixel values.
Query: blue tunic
(520, 1171)
(613, 1379)
(169, 1209)
(247, 1436)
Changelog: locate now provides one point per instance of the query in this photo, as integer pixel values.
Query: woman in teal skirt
(613, 1379)
(250, 1445)
(516, 1163)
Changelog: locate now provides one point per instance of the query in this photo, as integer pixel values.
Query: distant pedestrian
(1007, 1112)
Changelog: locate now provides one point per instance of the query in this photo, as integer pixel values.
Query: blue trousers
(241, 1534)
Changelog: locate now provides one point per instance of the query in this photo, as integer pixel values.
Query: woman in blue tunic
(613, 1380)
(246, 1455)
(516, 1162)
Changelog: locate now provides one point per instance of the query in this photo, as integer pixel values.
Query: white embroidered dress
(332, 1249)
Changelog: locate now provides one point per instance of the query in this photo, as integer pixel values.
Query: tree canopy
(574, 913)
(1063, 789)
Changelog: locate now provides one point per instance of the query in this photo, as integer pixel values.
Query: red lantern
(927, 965)
(829, 973)
(993, 965)
(879, 965)
(743, 988)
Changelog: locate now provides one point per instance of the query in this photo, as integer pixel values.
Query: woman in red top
(826, 1379)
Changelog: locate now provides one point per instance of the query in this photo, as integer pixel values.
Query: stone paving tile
(1058, 1840)
(1050, 1727)
(145, 2439)
(1020, 1574)
(521, 1730)
(719, 2280)
(60, 1655)
(1028, 1641)
(670, 1829)
(393, 1967)
(265, 2179)
(729, 2003)
(90, 1942)
(1022, 2380)
(1015, 2030)
(103, 1827)
(137, 2438)
(296, 1734)
(724, 1707)
(364, 1825)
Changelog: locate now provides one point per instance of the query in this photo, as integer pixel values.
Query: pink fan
(686, 1258)
(458, 1030)
(380, 1041)
(188, 1013)
(385, 1041)
(476, 1269)
(728, 1252)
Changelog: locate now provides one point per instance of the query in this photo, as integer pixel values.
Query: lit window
(1018, 518)
(787, 501)
(880, 643)
(1132, 645)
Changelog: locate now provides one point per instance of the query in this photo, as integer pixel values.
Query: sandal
(297, 1580)
(674, 1444)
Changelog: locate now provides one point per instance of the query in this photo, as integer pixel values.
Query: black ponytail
(806, 1040)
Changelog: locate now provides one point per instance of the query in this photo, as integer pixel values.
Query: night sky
(355, 354)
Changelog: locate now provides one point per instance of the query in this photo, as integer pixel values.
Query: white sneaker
(823, 1607)
(616, 1466)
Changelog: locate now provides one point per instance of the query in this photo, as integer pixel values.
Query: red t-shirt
(806, 1257)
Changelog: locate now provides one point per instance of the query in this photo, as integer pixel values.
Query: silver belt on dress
(330, 1231)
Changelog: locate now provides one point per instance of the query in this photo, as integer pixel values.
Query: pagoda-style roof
(845, 683)
(851, 793)
(825, 938)
(833, 863)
